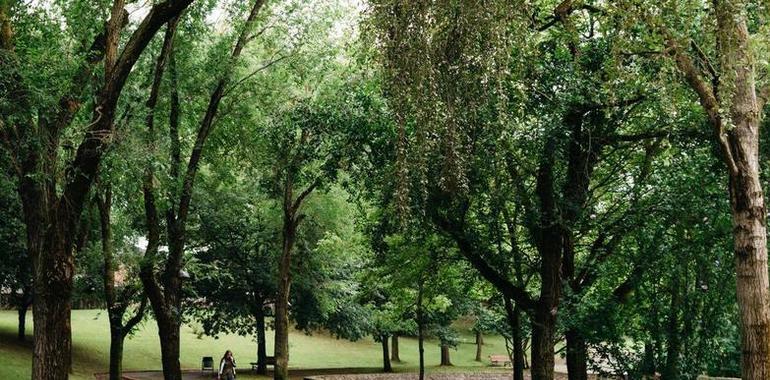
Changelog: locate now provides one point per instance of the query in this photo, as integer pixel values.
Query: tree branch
(208, 119)
(81, 172)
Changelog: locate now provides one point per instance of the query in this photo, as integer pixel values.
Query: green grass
(90, 332)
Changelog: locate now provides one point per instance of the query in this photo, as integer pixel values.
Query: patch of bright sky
(343, 27)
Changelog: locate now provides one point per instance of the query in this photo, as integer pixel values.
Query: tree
(235, 271)
(719, 66)
(164, 289)
(306, 145)
(16, 271)
(32, 132)
(119, 297)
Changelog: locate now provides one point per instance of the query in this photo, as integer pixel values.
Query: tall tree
(119, 297)
(720, 66)
(53, 203)
(164, 289)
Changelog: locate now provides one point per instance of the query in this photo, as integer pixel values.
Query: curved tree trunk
(737, 133)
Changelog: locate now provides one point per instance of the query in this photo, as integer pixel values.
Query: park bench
(269, 360)
(207, 363)
(503, 360)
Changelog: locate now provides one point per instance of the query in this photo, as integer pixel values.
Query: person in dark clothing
(227, 367)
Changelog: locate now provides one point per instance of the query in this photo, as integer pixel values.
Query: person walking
(227, 367)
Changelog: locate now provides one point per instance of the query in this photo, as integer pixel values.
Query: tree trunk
(51, 310)
(420, 330)
(394, 356)
(751, 269)
(514, 320)
(22, 334)
(673, 348)
(479, 343)
(445, 355)
(168, 331)
(261, 342)
(738, 137)
(543, 329)
(518, 346)
(577, 356)
(116, 354)
(385, 355)
(282, 299)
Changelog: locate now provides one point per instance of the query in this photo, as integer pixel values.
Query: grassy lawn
(90, 331)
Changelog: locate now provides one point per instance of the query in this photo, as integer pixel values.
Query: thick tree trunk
(261, 342)
(543, 331)
(385, 354)
(394, 355)
(22, 333)
(116, 354)
(168, 332)
(577, 356)
(738, 137)
(479, 343)
(51, 311)
(445, 360)
(749, 232)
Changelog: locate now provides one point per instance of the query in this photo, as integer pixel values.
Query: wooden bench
(269, 360)
(207, 363)
(503, 360)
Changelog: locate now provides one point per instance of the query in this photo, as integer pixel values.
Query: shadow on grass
(82, 357)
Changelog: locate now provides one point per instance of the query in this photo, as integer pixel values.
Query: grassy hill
(90, 331)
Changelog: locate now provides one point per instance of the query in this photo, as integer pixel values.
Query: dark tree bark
(577, 356)
(116, 354)
(117, 301)
(386, 367)
(164, 290)
(514, 320)
(282, 297)
(673, 333)
(261, 341)
(543, 334)
(394, 355)
(445, 360)
(51, 219)
(22, 331)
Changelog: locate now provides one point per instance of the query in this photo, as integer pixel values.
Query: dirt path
(333, 374)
